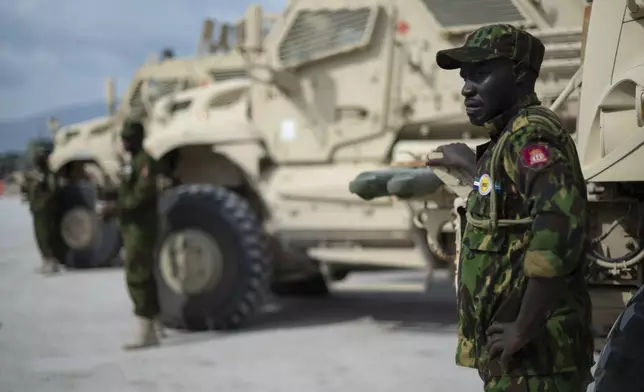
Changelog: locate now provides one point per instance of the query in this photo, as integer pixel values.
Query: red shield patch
(535, 155)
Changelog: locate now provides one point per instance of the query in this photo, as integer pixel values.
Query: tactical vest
(535, 114)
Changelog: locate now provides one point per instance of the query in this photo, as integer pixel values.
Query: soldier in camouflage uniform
(136, 209)
(40, 188)
(523, 303)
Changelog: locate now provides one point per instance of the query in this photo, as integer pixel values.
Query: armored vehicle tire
(213, 260)
(84, 240)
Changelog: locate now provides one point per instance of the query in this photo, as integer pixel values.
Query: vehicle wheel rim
(78, 228)
(191, 262)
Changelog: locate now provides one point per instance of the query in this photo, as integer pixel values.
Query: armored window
(227, 98)
(100, 129)
(160, 88)
(466, 13)
(69, 135)
(314, 35)
(178, 106)
(154, 89)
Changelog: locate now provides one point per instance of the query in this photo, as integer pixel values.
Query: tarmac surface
(376, 332)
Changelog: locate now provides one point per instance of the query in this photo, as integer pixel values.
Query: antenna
(53, 125)
(206, 36)
(110, 96)
(223, 38)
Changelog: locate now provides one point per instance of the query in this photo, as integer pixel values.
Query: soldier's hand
(504, 339)
(455, 156)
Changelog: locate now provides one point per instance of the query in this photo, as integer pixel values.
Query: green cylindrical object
(403, 182)
(372, 184)
(416, 182)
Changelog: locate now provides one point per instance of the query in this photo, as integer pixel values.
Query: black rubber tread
(313, 286)
(229, 218)
(101, 253)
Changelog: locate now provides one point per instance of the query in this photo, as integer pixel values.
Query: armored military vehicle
(334, 89)
(88, 155)
(609, 141)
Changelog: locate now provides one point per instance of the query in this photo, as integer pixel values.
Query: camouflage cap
(492, 42)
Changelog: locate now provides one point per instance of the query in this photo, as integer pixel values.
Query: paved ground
(64, 334)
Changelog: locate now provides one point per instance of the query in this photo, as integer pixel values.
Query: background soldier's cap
(492, 42)
(132, 128)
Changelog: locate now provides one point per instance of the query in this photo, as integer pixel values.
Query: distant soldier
(523, 302)
(136, 210)
(40, 188)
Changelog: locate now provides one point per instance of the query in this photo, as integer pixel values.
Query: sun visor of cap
(454, 58)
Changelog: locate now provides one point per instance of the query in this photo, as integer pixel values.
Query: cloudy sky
(58, 53)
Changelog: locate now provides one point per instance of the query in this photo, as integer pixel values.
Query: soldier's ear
(520, 72)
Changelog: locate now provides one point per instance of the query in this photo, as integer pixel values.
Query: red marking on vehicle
(402, 27)
(535, 155)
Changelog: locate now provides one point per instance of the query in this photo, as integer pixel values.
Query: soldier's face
(489, 89)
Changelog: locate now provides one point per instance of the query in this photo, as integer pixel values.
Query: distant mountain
(15, 134)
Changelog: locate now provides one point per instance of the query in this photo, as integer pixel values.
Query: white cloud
(54, 54)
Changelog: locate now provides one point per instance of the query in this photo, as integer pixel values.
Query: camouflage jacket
(40, 189)
(137, 201)
(530, 172)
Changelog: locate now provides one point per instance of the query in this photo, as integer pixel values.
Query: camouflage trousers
(139, 272)
(558, 382)
(44, 231)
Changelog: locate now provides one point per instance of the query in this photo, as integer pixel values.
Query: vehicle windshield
(155, 89)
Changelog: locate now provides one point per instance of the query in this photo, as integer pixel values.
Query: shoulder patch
(144, 171)
(535, 155)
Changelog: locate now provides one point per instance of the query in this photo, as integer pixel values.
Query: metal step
(382, 257)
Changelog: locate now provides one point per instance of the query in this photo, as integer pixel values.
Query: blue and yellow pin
(484, 185)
